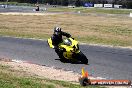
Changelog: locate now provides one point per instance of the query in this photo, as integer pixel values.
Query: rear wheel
(81, 57)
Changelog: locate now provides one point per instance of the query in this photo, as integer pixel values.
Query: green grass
(91, 10)
(24, 35)
(9, 79)
(103, 41)
(87, 39)
(115, 31)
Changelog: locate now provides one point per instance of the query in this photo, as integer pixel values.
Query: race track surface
(106, 62)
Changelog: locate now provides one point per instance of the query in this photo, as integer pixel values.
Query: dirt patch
(40, 71)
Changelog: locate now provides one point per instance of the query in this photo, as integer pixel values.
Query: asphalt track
(106, 62)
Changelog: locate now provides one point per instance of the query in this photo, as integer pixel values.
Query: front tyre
(81, 57)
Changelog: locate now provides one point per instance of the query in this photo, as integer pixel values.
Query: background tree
(129, 4)
(64, 2)
(78, 3)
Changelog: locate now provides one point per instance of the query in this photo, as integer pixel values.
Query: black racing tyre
(82, 58)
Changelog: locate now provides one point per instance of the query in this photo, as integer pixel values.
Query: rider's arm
(66, 34)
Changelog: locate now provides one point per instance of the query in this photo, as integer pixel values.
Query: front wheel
(81, 57)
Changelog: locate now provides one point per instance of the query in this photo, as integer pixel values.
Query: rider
(57, 38)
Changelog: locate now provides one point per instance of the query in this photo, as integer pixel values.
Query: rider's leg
(59, 53)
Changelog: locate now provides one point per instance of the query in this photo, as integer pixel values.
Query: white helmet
(57, 30)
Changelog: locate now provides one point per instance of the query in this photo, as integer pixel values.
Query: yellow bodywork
(50, 43)
(69, 49)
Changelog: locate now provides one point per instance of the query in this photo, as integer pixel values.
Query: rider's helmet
(57, 30)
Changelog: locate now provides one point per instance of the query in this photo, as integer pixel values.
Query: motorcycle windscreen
(68, 42)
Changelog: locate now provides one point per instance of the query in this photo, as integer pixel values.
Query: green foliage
(129, 4)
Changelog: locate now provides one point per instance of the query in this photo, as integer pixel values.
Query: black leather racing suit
(56, 39)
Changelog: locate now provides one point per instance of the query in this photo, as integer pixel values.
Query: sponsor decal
(108, 5)
(88, 5)
(85, 81)
(98, 5)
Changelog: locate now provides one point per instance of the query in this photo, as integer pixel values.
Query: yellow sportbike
(70, 50)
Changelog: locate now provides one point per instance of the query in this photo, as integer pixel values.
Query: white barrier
(117, 6)
(130, 14)
(108, 5)
(98, 5)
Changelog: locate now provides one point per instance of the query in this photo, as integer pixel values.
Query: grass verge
(90, 29)
(11, 79)
(91, 10)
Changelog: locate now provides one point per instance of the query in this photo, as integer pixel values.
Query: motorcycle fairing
(50, 43)
(70, 49)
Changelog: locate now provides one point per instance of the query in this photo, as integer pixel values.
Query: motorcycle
(69, 49)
